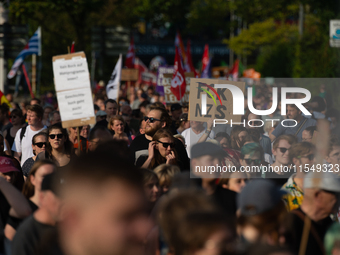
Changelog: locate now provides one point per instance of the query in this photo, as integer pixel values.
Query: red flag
(141, 68)
(178, 84)
(205, 59)
(130, 56)
(180, 45)
(190, 64)
(234, 70)
(72, 48)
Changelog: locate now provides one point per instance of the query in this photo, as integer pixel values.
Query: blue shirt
(290, 130)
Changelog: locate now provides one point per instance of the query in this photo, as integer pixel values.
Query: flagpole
(34, 73)
(27, 80)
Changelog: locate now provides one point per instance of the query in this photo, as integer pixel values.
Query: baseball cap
(6, 165)
(258, 197)
(322, 180)
(175, 107)
(101, 113)
(52, 182)
(206, 148)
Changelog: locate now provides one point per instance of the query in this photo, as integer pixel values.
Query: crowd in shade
(145, 180)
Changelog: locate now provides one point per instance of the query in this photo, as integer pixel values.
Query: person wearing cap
(11, 183)
(310, 222)
(28, 235)
(184, 123)
(301, 155)
(261, 212)
(204, 156)
(100, 115)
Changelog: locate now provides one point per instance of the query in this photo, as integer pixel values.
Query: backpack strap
(307, 227)
(303, 123)
(22, 133)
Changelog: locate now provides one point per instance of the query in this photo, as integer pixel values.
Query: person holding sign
(161, 150)
(59, 149)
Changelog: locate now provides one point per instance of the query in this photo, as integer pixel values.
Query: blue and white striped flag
(32, 47)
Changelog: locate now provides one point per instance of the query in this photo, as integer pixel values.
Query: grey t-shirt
(290, 130)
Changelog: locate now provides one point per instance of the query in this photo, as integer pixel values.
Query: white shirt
(25, 147)
(191, 138)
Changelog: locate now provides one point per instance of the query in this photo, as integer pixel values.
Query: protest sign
(216, 102)
(169, 97)
(160, 75)
(72, 84)
(129, 74)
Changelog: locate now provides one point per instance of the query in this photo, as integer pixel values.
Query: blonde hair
(165, 173)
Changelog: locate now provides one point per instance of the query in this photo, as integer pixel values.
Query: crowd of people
(144, 179)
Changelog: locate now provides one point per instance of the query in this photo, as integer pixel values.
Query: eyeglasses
(59, 136)
(40, 145)
(250, 161)
(166, 145)
(310, 156)
(283, 149)
(150, 119)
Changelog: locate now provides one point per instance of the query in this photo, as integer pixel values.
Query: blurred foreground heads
(104, 210)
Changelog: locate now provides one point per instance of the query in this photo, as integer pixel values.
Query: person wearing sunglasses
(161, 150)
(59, 149)
(280, 150)
(252, 156)
(39, 142)
(300, 154)
(156, 119)
(17, 123)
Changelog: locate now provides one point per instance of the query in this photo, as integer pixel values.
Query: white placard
(334, 33)
(75, 104)
(71, 74)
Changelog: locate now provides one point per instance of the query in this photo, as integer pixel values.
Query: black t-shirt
(28, 236)
(15, 222)
(279, 180)
(4, 211)
(226, 200)
(296, 229)
(140, 146)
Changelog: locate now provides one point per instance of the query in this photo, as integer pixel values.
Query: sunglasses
(40, 145)
(309, 157)
(59, 136)
(166, 145)
(283, 150)
(252, 161)
(151, 120)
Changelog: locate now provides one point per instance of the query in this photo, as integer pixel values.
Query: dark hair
(42, 133)
(311, 129)
(300, 149)
(67, 145)
(234, 137)
(39, 111)
(96, 107)
(17, 112)
(117, 148)
(36, 99)
(110, 101)
(255, 134)
(97, 168)
(144, 104)
(165, 117)
(28, 189)
(4, 109)
(93, 131)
